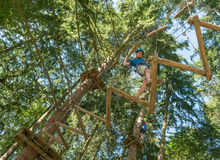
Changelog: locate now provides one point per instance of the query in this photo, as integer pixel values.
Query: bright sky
(186, 53)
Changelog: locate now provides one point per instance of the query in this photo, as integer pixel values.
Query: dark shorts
(142, 130)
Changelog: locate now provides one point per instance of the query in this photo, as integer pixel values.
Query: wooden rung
(131, 142)
(202, 48)
(157, 31)
(92, 114)
(108, 107)
(81, 123)
(26, 137)
(69, 128)
(204, 24)
(53, 138)
(153, 85)
(183, 9)
(61, 136)
(137, 100)
(180, 66)
(132, 139)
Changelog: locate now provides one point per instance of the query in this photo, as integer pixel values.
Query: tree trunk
(62, 114)
(163, 134)
(133, 147)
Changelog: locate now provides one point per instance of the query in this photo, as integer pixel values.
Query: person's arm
(126, 63)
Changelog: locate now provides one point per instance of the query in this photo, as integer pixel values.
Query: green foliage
(103, 27)
(190, 143)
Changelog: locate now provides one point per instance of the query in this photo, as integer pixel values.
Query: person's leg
(148, 74)
(142, 89)
(142, 137)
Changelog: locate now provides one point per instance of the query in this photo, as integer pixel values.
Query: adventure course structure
(37, 146)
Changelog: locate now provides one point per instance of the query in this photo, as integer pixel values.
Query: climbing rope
(58, 48)
(37, 50)
(79, 39)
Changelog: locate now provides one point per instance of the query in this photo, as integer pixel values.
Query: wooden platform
(26, 137)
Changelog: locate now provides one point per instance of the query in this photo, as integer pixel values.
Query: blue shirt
(144, 127)
(137, 61)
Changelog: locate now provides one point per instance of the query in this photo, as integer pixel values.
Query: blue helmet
(140, 49)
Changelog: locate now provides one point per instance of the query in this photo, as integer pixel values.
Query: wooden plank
(202, 48)
(69, 128)
(26, 134)
(183, 9)
(61, 136)
(92, 114)
(81, 123)
(157, 31)
(153, 85)
(180, 66)
(140, 101)
(34, 146)
(204, 24)
(108, 107)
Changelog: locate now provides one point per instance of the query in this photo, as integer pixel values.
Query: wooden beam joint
(92, 74)
(26, 137)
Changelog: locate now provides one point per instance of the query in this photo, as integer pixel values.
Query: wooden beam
(157, 31)
(140, 101)
(180, 66)
(92, 114)
(202, 48)
(108, 107)
(129, 143)
(69, 128)
(34, 146)
(81, 122)
(204, 24)
(183, 9)
(61, 136)
(53, 138)
(153, 85)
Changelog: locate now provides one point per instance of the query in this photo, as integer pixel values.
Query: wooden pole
(61, 136)
(157, 31)
(133, 147)
(81, 123)
(108, 107)
(183, 9)
(53, 138)
(130, 97)
(180, 66)
(204, 24)
(69, 128)
(202, 48)
(153, 85)
(92, 114)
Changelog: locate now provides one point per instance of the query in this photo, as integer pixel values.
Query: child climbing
(142, 131)
(142, 68)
